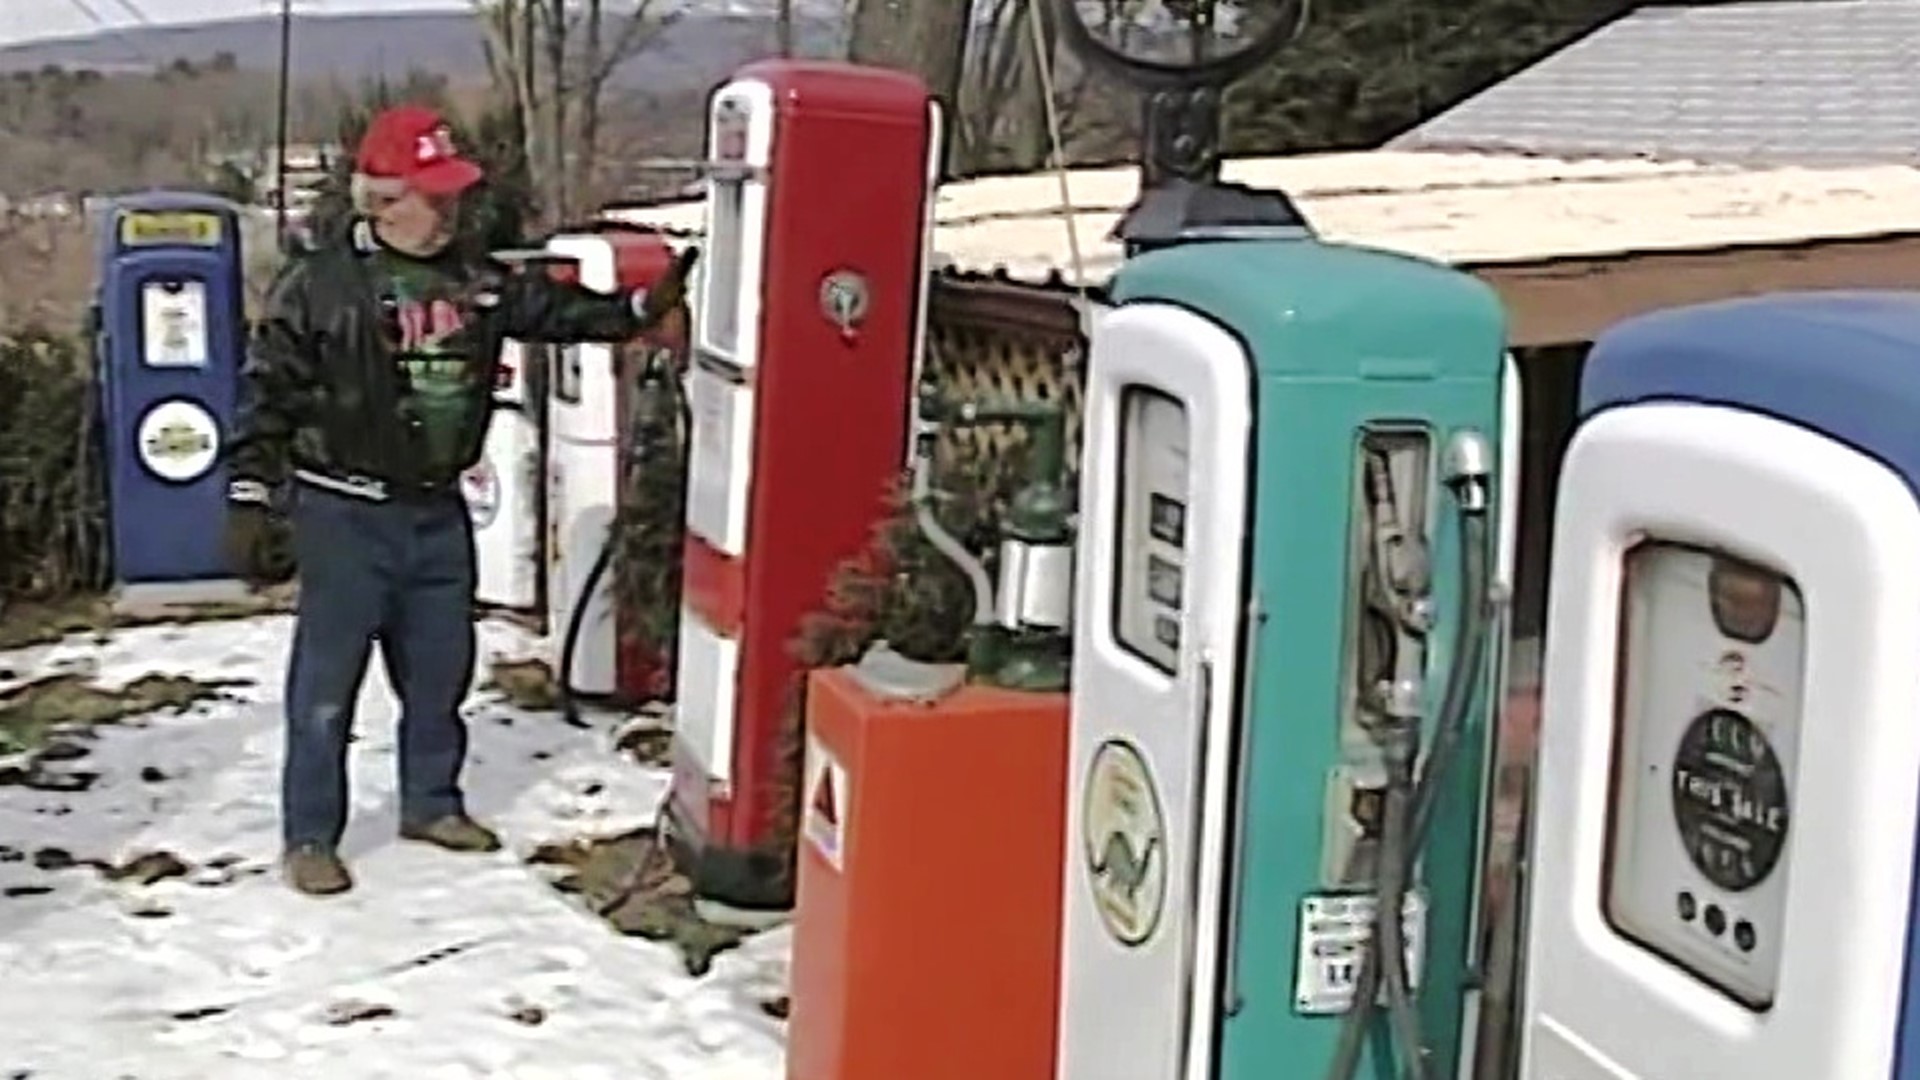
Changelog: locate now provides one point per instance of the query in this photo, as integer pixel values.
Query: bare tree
(1001, 122)
(551, 64)
(1012, 69)
(926, 37)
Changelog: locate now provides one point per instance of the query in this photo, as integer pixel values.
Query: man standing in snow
(366, 393)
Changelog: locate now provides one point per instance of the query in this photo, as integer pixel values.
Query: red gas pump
(809, 321)
(586, 468)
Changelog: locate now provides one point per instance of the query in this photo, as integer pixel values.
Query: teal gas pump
(1285, 627)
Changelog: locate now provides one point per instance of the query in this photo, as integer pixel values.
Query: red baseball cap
(414, 144)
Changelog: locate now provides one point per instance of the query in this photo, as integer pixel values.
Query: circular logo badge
(844, 299)
(481, 487)
(1123, 834)
(1730, 800)
(178, 441)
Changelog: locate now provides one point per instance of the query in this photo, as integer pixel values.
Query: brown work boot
(455, 832)
(315, 870)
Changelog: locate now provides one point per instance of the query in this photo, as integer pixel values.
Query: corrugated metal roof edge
(1683, 171)
(1056, 281)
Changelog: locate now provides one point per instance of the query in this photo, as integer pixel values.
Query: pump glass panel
(1711, 670)
(1151, 576)
(173, 323)
(720, 292)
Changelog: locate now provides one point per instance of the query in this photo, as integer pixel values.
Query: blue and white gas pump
(170, 336)
(1723, 865)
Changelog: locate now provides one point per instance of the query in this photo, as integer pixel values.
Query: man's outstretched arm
(536, 308)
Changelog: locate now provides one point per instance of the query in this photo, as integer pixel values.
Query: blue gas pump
(170, 335)
(1723, 875)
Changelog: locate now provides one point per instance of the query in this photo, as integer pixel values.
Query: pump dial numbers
(1149, 577)
(1167, 519)
(1163, 581)
(1729, 800)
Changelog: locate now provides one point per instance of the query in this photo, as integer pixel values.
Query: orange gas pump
(927, 929)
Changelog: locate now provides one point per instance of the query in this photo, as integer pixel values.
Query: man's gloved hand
(249, 540)
(670, 292)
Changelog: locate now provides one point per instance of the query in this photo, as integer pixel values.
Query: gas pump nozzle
(1411, 793)
(1020, 632)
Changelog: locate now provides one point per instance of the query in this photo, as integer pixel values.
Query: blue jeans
(401, 573)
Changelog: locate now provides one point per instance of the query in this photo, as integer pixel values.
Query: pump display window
(720, 292)
(1708, 712)
(173, 323)
(1153, 527)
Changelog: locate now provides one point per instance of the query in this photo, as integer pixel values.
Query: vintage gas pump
(1292, 485)
(585, 397)
(806, 338)
(1718, 891)
(170, 337)
(504, 490)
(1280, 662)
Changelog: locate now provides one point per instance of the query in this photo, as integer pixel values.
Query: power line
(93, 16)
(133, 9)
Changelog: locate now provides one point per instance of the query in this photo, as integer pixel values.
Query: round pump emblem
(1730, 799)
(1123, 837)
(844, 299)
(481, 486)
(178, 441)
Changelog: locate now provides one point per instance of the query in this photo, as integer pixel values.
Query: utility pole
(280, 134)
(784, 25)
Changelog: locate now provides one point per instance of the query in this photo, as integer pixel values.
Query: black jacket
(320, 393)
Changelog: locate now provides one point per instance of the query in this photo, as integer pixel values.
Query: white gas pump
(583, 479)
(503, 490)
(1723, 858)
(586, 472)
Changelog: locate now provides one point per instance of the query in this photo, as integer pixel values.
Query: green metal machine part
(1020, 636)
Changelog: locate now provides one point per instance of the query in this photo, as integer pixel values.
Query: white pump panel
(173, 323)
(503, 491)
(740, 125)
(722, 398)
(1720, 580)
(583, 479)
(1168, 419)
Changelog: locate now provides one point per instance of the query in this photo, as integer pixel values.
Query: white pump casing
(503, 492)
(1169, 413)
(1599, 1005)
(583, 479)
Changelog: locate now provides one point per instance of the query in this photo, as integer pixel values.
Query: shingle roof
(1787, 81)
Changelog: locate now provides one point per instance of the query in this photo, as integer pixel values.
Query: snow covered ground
(437, 967)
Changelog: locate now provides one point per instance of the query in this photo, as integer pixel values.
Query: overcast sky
(25, 20)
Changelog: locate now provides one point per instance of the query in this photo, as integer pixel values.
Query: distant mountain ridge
(694, 53)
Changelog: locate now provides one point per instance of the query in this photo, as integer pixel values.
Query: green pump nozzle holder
(1022, 631)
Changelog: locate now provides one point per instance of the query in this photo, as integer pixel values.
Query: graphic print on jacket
(424, 318)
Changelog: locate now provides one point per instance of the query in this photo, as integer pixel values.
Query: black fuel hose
(1394, 882)
(1407, 818)
(1469, 659)
(1409, 827)
(655, 381)
(576, 620)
